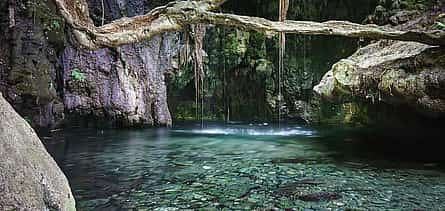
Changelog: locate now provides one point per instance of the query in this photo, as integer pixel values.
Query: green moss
(351, 113)
(417, 4)
(235, 46)
(43, 12)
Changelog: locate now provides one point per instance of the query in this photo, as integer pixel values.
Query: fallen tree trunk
(175, 15)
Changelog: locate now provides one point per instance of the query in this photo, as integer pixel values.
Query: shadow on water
(386, 147)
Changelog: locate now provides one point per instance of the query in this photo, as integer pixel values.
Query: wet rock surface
(29, 177)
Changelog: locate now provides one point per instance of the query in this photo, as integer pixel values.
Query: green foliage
(43, 10)
(440, 25)
(55, 24)
(78, 75)
(236, 44)
(418, 4)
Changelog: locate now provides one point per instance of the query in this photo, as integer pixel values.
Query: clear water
(245, 167)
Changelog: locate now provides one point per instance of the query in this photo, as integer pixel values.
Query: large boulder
(399, 73)
(29, 177)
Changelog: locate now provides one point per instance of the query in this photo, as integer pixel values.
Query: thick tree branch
(337, 28)
(175, 15)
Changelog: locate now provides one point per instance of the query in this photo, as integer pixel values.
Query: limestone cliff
(125, 84)
(50, 81)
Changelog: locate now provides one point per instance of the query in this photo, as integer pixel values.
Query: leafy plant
(77, 74)
(55, 25)
(440, 25)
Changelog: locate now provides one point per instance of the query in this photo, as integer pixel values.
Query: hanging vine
(199, 33)
(283, 8)
(191, 52)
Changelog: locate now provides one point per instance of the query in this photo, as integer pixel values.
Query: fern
(77, 75)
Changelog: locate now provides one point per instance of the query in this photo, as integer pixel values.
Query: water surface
(251, 166)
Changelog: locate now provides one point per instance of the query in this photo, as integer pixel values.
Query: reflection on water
(247, 167)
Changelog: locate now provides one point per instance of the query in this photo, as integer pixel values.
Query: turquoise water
(256, 166)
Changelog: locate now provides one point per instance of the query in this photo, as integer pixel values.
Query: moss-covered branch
(175, 15)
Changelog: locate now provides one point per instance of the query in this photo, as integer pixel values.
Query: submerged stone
(322, 196)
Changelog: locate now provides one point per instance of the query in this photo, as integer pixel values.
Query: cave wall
(29, 62)
(51, 81)
(241, 67)
(125, 84)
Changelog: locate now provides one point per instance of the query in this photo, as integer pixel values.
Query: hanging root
(199, 33)
(283, 7)
(103, 12)
(11, 10)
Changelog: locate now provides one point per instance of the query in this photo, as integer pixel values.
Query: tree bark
(175, 15)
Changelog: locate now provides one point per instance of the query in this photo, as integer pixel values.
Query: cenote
(250, 166)
(222, 105)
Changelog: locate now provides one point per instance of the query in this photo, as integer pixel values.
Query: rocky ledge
(406, 74)
(397, 73)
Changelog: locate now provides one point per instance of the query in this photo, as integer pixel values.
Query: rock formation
(29, 177)
(28, 66)
(49, 81)
(125, 84)
(397, 73)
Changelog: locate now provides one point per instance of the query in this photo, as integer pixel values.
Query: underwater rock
(292, 160)
(291, 189)
(322, 196)
(29, 177)
(399, 73)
